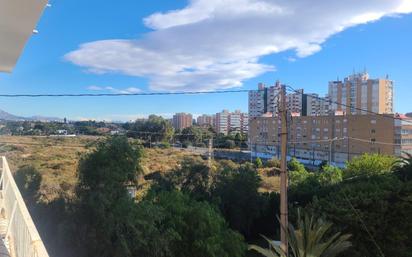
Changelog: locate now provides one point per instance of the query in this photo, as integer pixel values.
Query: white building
(263, 100)
(231, 122)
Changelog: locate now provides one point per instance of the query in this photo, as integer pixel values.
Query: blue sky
(153, 45)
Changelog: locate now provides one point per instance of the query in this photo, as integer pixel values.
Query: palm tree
(308, 240)
(403, 167)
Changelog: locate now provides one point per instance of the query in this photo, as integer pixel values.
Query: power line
(127, 94)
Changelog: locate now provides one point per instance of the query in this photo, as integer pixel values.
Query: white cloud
(291, 59)
(129, 90)
(95, 88)
(214, 44)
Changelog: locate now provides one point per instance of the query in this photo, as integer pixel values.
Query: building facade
(182, 120)
(361, 92)
(314, 105)
(231, 122)
(403, 135)
(206, 120)
(264, 100)
(335, 138)
(294, 102)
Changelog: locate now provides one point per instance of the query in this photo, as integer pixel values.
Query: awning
(18, 19)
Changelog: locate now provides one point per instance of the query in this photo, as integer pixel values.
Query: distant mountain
(409, 114)
(7, 116)
(10, 117)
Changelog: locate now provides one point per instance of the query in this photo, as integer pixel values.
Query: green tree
(330, 175)
(295, 165)
(28, 179)
(376, 210)
(369, 164)
(196, 135)
(105, 211)
(310, 238)
(193, 228)
(155, 129)
(403, 168)
(236, 192)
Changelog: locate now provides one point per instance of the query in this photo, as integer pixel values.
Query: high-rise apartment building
(358, 91)
(206, 120)
(257, 101)
(294, 101)
(222, 122)
(264, 100)
(182, 120)
(232, 122)
(314, 105)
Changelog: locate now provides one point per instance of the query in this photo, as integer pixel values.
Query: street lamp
(330, 148)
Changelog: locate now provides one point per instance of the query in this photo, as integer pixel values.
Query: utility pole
(283, 174)
(209, 153)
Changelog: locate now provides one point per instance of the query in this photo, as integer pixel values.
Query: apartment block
(403, 135)
(313, 139)
(232, 122)
(314, 105)
(294, 102)
(206, 120)
(264, 100)
(358, 91)
(182, 120)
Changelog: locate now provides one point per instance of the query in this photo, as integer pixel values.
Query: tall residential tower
(358, 91)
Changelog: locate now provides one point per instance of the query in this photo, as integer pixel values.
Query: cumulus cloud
(129, 90)
(216, 44)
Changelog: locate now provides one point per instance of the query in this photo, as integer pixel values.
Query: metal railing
(22, 237)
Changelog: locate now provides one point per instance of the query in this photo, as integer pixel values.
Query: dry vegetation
(57, 158)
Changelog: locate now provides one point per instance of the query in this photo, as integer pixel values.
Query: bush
(230, 144)
(273, 163)
(258, 163)
(330, 175)
(164, 145)
(369, 164)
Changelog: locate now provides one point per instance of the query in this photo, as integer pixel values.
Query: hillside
(11, 117)
(7, 116)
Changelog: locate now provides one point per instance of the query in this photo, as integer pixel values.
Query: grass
(57, 159)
